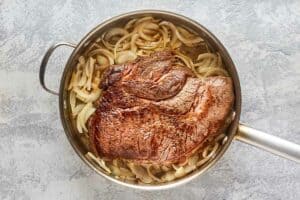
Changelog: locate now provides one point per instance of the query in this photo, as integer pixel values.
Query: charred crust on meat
(154, 112)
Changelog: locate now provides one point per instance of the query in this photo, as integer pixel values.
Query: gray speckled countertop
(37, 161)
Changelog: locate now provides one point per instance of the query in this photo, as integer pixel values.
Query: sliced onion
(115, 170)
(142, 34)
(212, 152)
(205, 56)
(102, 60)
(224, 140)
(151, 174)
(99, 161)
(90, 73)
(148, 18)
(187, 61)
(72, 100)
(164, 33)
(72, 81)
(97, 79)
(114, 32)
(179, 172)
(173, 30)
(165, 168)
(220, 137)
(151, 26)
(107, 44)
(81, 60)
(193, 160)
(130, 24)
(175, 167)
(202, 161)
(109, 55)
(125, 56)
(87, 96)
(83, 116)
(185, 33)
(82, 80)
(219, 60)
(203, 64)
(144, 52)
(140, 173)
(87, 68)
(189, 168)
(169, 176)
(188, 41)
(77, 109)
(119, 42)
(216, 72)
(177, 44)
(150, 32)
(149, 45)
(126, 172)
(133, 46)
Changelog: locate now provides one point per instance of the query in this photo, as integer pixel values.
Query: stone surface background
(37, 162)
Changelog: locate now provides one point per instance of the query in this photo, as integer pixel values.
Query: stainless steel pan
(236, 130)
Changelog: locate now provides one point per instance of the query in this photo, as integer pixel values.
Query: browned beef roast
(152, 111)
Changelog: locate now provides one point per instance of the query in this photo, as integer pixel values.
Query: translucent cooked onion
(102, 60)
(109, 55)
(133, 46)
(72, 100)
(140, 173)
(188, 41)
(99, 161)
(77, 109)
(82, 80)
(176, 34)
(126, 172)
(83, 116)
(130, 24)
(87, 97)
(179, 172)
(143, 19)
(81, 60)
(147, 27)
(115, 32)
(193, 160)
(125, 56)
(90, 72)
(173, 31)
(187, 61)
(189, 168)
(151, 174)
(168, 176)
(149, 45)
(119, 42)
(72, 81)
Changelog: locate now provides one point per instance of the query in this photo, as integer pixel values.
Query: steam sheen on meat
(154, 112)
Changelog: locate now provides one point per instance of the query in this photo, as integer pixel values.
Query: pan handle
(269, 143)
(45, 62)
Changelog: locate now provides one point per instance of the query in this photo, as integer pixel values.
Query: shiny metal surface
(269, 143)
(64, 106)
(45, 62)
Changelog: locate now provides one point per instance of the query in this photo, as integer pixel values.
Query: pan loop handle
(45, 62)
(269, 143)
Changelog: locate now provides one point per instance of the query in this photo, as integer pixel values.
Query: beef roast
(154, 112)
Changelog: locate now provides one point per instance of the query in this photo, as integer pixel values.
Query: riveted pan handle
(269, 143)
(45, 62)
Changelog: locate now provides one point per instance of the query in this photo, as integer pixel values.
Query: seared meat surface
(154, 112)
